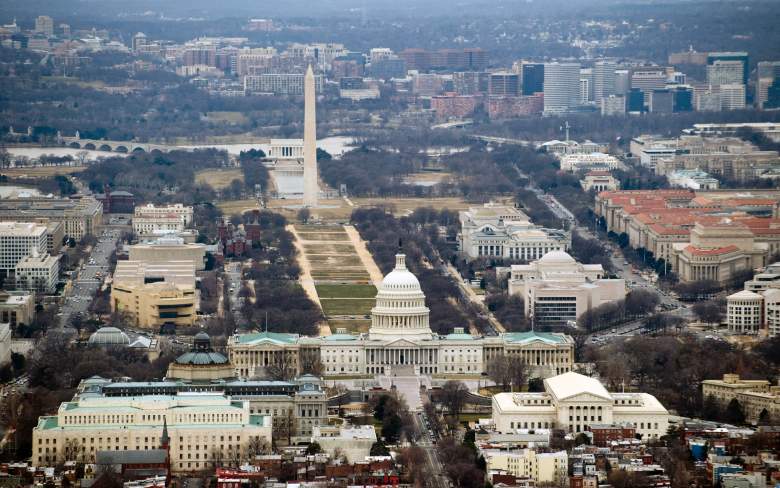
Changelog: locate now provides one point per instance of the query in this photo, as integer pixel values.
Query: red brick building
(509, 107)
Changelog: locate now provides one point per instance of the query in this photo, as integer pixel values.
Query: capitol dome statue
(400, 310)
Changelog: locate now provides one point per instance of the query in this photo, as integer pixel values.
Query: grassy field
(233, 118)
(219, 178)
(324, 236)
(342, 306)
(231, 207)
(353, 274)
(327, 248)
(319, 261)
(42, 171)
(345, 291)
(353, 326)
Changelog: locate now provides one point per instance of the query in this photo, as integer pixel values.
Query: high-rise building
(504, 84)
(603, 80)
(533, 78)
(561, 87)
(740, 56)
(387, 68)
(662, 101)
(19, 240)
(139, 39)
(683, 99)
(722, 72)
(648, 79)
(44, 25)
(613, 105)
(768, 74)
(206, 56)
(470, 82)
(622, 81)
(636, 100)
(732, 96)
(584, 90)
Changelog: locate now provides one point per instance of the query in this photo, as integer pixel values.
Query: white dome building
(400, 309)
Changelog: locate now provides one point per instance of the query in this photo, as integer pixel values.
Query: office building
(470, 82)
(199, 56)
(732, 97)
(740, 56)
(574, 402)
(622, 81)
(387, 68)
(635, 103)
(44, 25)
(613, 105)
(79, 216)
(744, 312)
(726, 389)
(533, 78)
(561, 87)
(279, 83)
(19, 240)
(155, 295)
(725, 73)
(557, 290)
(683, 99)
(501, 231)
(504, 84)
(648, 79)
(201, 430)
(661, 101)
(585, 88)
(603, 80)
(38, 273)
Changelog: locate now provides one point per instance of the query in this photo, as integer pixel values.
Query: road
(85, 283)
(427, 442)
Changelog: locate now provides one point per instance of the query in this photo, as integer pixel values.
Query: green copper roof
(276, 337)
(459, 337)
(522, 337)
(340, 337)
(46, 423)
(201, 358)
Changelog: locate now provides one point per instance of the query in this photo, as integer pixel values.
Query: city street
(427, 442)
(89, 276)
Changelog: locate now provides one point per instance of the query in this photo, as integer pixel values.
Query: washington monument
(311, 189)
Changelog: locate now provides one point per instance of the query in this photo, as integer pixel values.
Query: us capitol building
(399, 341)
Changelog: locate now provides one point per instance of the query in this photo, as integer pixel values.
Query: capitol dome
(400, 309)
(400, 278)
(109, 336)
(557, 257)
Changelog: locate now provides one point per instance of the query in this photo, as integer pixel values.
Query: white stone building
(744, 312)
(501, 231)
(557, 289)
(151, 219)
(572, 402)
(203, 428)
(592, 161)
(599, 181)
(400, 339)
(169, 248)
(694, 179)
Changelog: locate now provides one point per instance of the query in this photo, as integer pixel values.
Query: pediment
(587, 398)
(402, 343)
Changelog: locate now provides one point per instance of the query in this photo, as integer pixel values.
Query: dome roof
(400, 278)
(198, 358)
(109, 336)
(557, 257)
